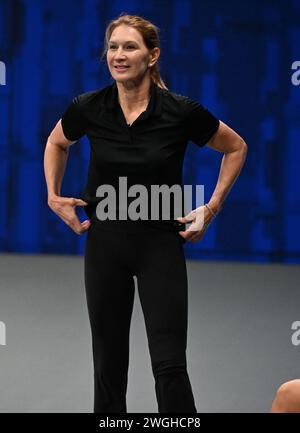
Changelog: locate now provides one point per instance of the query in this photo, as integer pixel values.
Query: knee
(287, 398)
(167, 367)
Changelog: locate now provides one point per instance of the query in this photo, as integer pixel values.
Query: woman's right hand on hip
(64, 207)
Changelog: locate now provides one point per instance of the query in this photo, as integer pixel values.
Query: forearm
(231, 165)
(55, 160)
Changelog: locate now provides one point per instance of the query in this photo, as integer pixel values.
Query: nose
(119, 54)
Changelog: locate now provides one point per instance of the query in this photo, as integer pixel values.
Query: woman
(137, 129)
(287, 398)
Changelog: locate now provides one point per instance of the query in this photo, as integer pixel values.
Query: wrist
(52, 197)
(214, 206)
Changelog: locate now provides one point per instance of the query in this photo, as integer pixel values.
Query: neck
(133, 95)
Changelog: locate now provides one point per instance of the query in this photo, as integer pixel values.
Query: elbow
(243, 148)
(55, 143)
(238, 147)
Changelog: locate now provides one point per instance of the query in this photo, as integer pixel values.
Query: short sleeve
(73, 122)
(200, 123)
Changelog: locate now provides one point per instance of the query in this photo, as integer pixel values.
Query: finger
(195, 236)
(86, 224)
(84, 228)
(184, 234)
(199, 236)
(181, 219)
(75, 224)
(187, 234)
(189, 217)
(80, 202)
(194, 228)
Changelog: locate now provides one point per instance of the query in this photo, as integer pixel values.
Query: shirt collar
(155, 103)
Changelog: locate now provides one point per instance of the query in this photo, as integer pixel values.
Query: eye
(112, 47)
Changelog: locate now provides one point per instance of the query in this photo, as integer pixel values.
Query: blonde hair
(150, 35)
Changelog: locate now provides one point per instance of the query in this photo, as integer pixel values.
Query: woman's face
(126, 48)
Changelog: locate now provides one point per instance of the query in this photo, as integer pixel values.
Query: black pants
(114, 252)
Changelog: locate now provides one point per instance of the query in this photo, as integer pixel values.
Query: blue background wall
(234, 57)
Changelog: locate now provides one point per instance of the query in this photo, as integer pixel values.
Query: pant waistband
(170, 225)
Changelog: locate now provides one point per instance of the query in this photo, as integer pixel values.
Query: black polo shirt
(150, 151)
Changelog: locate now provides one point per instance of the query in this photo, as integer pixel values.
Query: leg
(110, 295)
(287, 397)
(162, 285)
